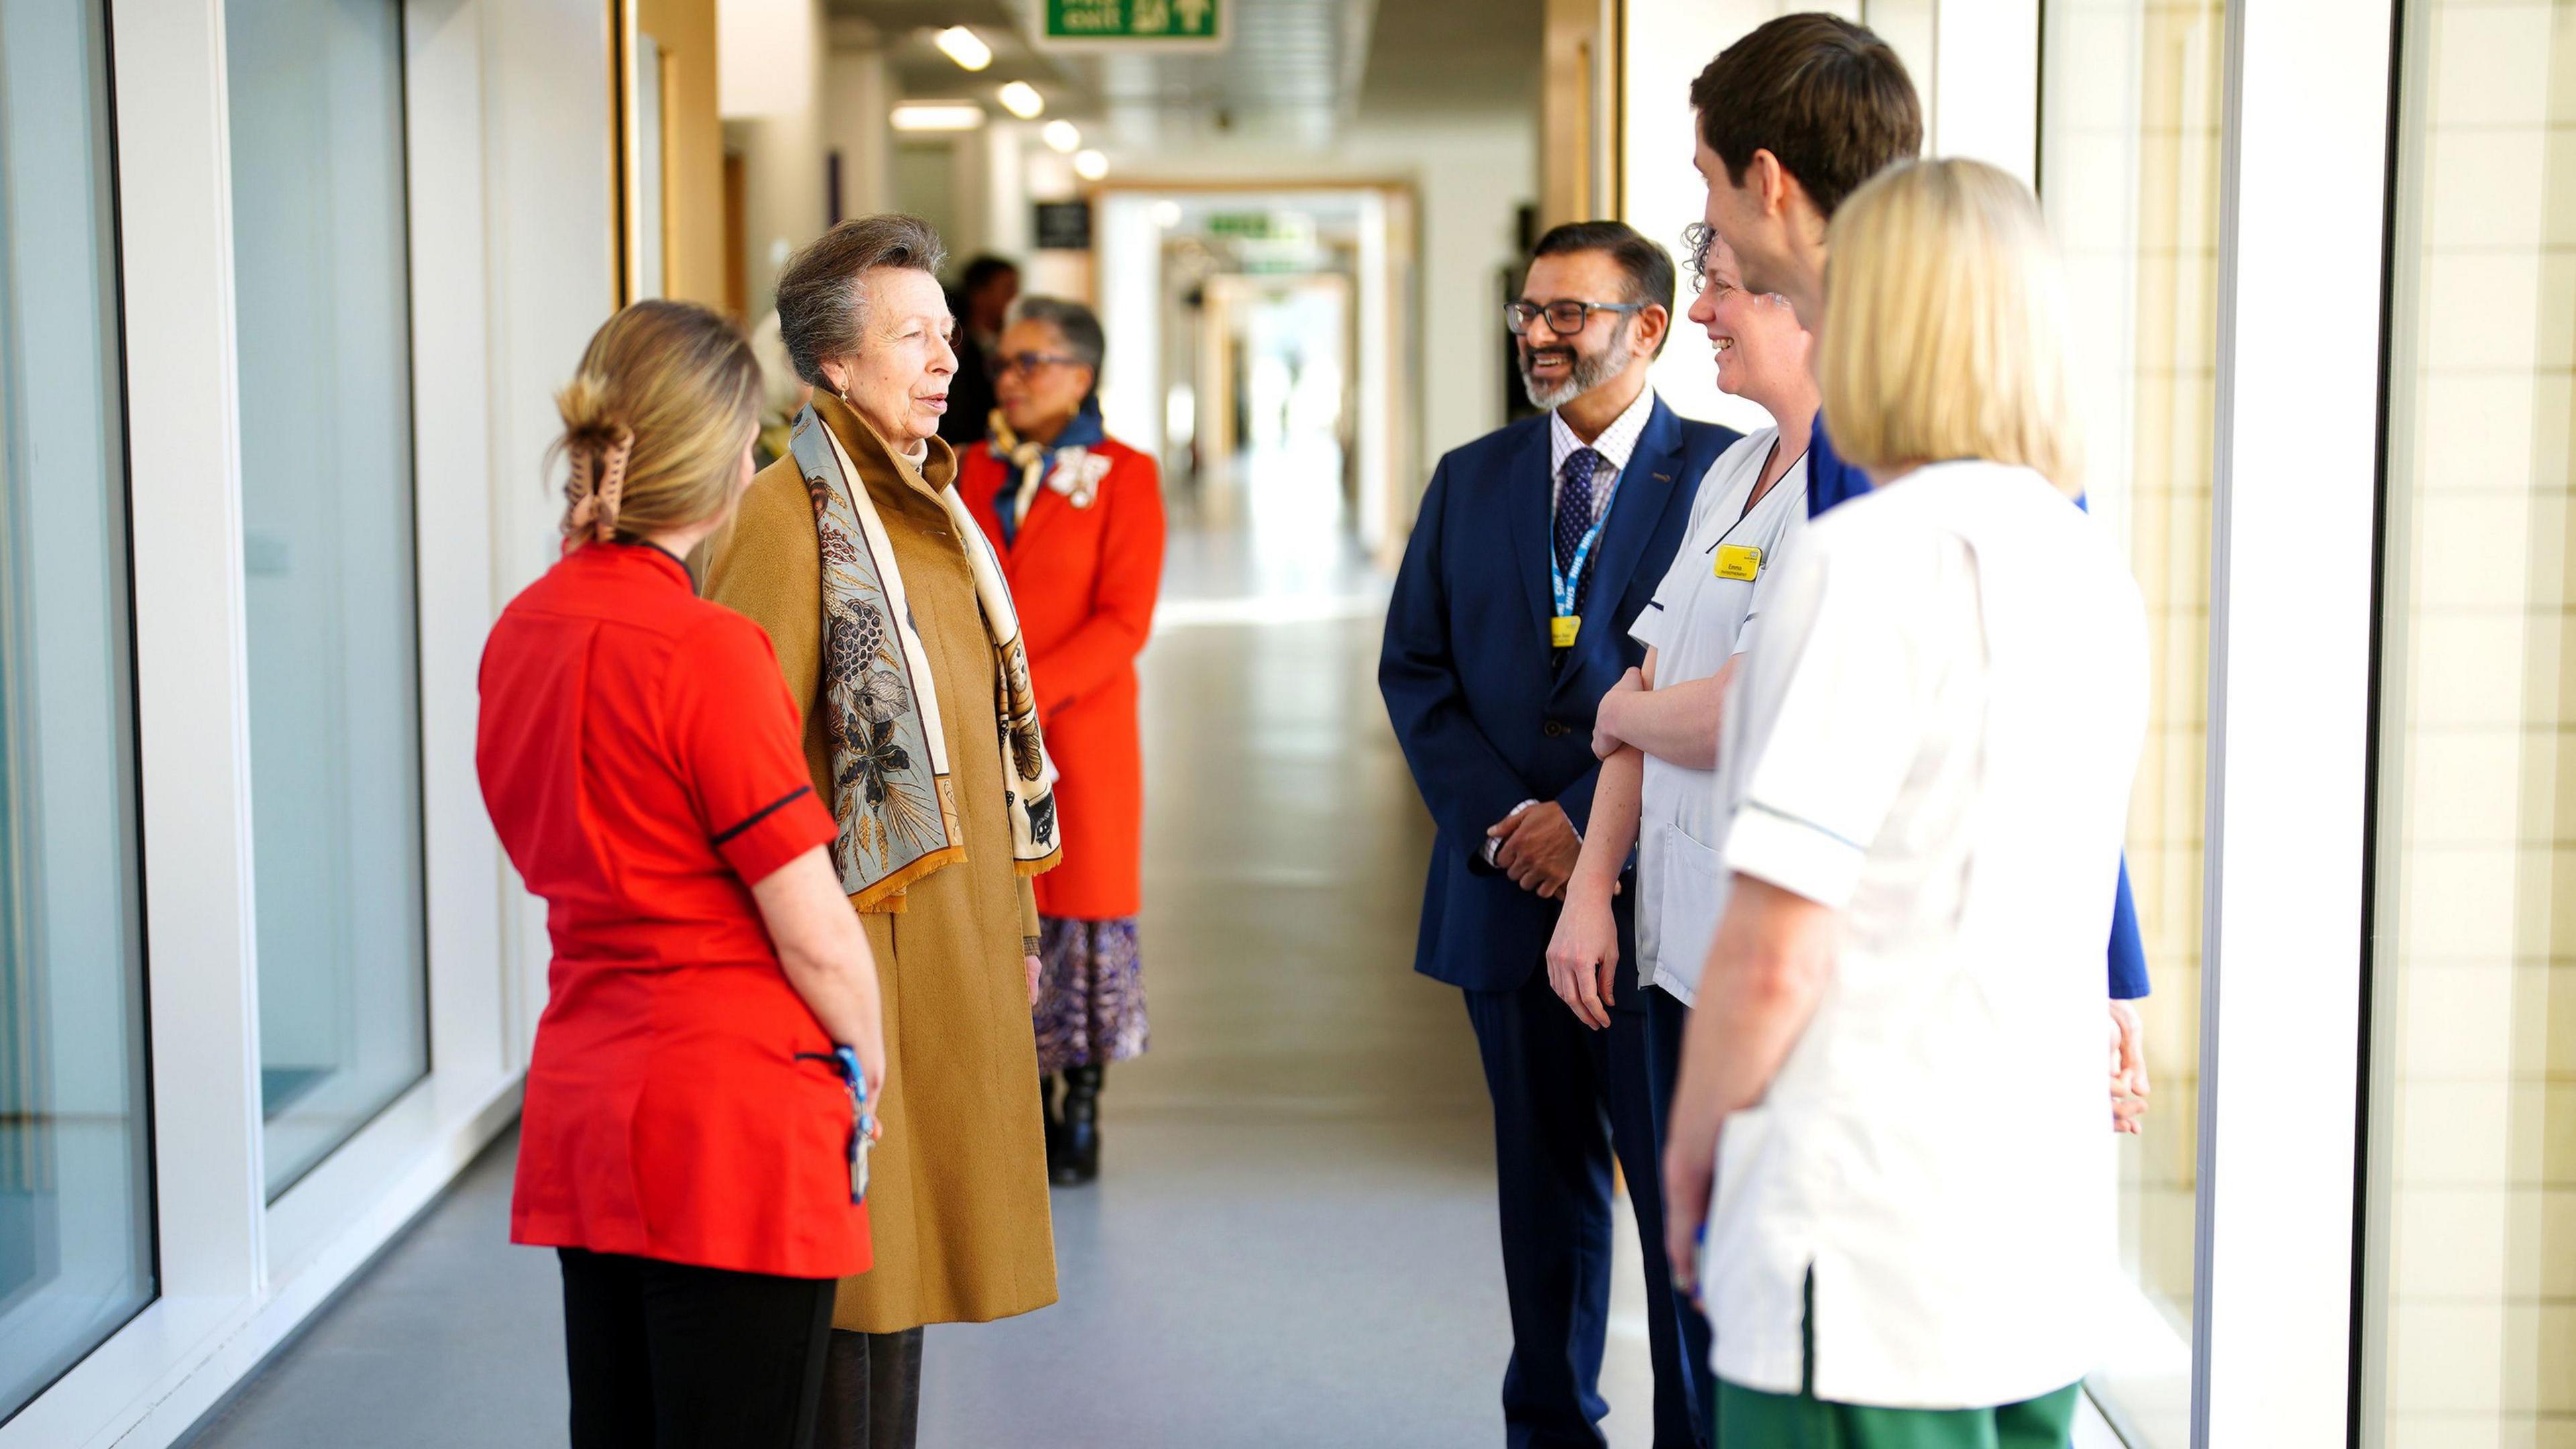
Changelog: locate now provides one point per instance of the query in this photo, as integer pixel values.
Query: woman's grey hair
(822, 308)
(1079, 324)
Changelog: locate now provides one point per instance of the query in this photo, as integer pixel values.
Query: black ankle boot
(1078, 1158)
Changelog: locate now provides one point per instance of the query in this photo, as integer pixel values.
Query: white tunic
(1939, 731)
(1697, 622)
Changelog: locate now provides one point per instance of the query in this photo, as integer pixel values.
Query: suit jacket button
(1553, 729)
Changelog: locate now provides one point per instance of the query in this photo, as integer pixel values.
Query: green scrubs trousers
(1750, 1419)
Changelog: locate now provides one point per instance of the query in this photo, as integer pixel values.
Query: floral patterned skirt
(1091, 993)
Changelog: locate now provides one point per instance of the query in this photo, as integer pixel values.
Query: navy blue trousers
(1566, 1098)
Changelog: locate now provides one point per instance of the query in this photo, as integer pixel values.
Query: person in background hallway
(1657, 730)
(1928, 775)
(1793, 118)
(898, 640)
(985, 291)
(1535, 548)
(687, 1144)
(1078, 520)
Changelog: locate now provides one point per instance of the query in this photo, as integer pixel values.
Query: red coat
(639, 755)
(1084, 580)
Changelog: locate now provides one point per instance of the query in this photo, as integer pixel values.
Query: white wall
(857, 94)
(772, 55)
(767, 57)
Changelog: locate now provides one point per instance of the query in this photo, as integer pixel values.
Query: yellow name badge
(1562, 629)
(1739, 561)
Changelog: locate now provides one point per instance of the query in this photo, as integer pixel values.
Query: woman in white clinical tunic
(1893, 1081)
(1658, 731)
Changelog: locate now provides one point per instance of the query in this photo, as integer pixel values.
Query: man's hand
(2128, 1067)
(1030, 965)
(1606, 716)
(1539, 848)
(1583, 956)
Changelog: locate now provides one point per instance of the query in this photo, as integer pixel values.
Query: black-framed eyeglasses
(1564, 318)
(1030, 362)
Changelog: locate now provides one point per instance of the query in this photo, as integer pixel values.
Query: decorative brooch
(1077, 475)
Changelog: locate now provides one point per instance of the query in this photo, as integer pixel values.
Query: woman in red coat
(692, 1143)
(1078, 521)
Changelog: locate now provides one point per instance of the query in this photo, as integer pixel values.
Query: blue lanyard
(1565, 581)
(845, 1065)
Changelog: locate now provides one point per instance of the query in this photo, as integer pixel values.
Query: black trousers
(669, 1356)
(1566, 1098)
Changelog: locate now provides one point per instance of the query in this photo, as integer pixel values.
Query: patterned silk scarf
(892, 791)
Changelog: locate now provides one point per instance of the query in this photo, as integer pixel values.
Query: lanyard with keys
(845, 1065)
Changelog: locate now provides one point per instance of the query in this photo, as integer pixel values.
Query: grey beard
(1587, 373)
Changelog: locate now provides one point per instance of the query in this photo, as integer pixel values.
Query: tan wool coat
(957, 1194)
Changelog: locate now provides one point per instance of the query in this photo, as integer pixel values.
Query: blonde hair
(1945, 325)
(656, 421)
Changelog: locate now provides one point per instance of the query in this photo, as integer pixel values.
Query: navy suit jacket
(1830, 481)
(1487, 716)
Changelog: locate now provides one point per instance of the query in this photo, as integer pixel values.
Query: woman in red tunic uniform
(690, 1143)
(1077, 518)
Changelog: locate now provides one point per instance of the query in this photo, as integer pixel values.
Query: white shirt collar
(1616, 443)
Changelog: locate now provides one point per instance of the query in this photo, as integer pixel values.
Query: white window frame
(238, 1274)
(2303, 218)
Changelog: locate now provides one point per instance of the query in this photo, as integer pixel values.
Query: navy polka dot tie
(1574, 510)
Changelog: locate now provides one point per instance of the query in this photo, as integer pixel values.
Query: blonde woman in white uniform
(1657, 731)
(1893, 1081)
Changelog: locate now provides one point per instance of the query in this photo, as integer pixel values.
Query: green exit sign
(1132, 22)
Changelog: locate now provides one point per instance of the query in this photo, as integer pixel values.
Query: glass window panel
(75, 1150)
(2469, 1327)
(2129, 172)
(321, 305)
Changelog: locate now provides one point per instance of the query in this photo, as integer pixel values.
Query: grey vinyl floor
(1293, 1242)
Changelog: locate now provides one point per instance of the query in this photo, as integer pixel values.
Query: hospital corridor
(1439, 702)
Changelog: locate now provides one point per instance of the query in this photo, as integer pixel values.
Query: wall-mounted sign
(1134, 24)
(1064, 226)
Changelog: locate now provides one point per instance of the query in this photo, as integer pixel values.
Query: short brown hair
(675, 388)
(822, 309)
(1827, 97)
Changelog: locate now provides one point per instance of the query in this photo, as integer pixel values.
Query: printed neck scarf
(1067, 465)
(893, 794)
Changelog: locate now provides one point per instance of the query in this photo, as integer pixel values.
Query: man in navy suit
(1535, 547)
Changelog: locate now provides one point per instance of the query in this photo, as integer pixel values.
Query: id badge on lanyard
(1564, 583)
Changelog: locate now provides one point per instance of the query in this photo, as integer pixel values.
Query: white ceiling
(1293, 74)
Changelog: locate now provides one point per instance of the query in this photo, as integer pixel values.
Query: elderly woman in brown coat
(897, 635)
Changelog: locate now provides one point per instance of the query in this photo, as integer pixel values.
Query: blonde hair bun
(655, 422)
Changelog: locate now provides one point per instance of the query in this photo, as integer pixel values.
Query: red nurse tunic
(643, 765)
